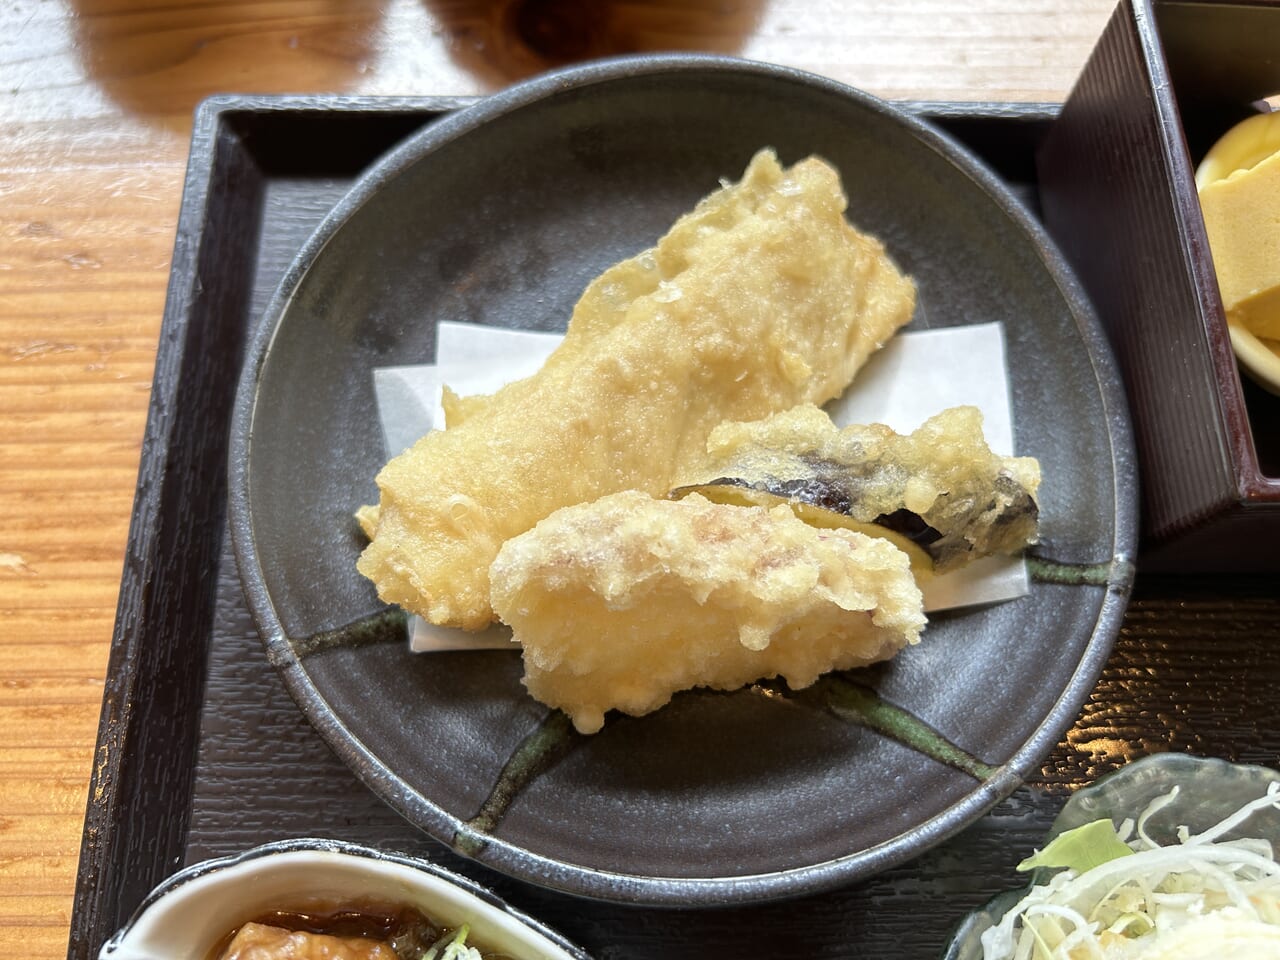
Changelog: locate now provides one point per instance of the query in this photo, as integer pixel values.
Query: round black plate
(501, 214)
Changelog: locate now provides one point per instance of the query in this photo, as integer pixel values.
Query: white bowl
(190, 913)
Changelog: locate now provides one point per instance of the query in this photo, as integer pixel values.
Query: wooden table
(96, 98)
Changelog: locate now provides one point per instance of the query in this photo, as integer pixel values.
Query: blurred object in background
(500, 41)
(161, 59)
(155, 60)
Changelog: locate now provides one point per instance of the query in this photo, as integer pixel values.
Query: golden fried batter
(939, 487)
(763, 297)
(259, 941)
(622, 602)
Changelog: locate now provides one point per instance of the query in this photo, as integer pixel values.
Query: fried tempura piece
(940, 487)
(622, 602)
(259, 941)
(763, 297)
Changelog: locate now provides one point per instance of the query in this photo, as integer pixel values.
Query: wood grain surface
(96, 98)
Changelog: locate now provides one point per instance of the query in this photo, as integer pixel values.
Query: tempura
(939, 488)
(620, 603)
(761, 298)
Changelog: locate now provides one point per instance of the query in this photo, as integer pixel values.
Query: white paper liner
(916, 375)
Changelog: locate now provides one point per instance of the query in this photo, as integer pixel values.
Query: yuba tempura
(622, 602)
(761, 298)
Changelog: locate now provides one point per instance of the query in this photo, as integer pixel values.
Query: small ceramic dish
(188, 915)
(1209, 791)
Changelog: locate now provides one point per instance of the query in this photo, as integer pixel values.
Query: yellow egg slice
(1239, 185)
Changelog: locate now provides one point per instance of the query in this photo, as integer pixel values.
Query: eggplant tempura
(761, 298)
(938, 492)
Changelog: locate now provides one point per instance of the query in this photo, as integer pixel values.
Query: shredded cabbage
(1122, 896)
(455, 949)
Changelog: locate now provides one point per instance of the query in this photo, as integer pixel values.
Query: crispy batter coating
(940, 487)
(622, 602)
(258, 941)
(763, 297)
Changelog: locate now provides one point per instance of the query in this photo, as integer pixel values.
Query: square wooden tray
(201, 752)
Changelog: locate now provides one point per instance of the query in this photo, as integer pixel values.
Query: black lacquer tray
(202, 753)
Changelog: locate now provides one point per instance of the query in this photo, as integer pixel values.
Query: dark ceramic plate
(500, 214)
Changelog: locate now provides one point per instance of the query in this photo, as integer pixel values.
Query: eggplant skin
(910, 525)
(819, 494)
(939, 488)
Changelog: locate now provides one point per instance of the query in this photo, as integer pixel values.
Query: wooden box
(1117, 186)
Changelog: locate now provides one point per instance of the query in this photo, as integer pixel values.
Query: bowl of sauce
(305, 899)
